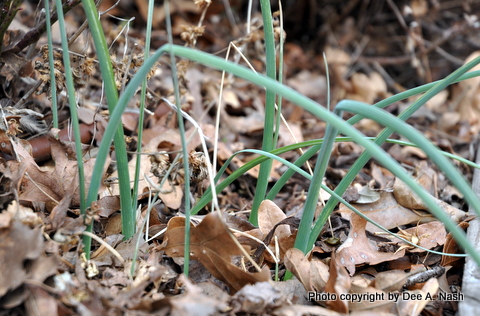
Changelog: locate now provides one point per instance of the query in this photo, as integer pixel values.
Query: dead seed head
(202, 3)
(190, 34)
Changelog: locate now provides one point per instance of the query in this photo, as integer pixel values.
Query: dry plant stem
(434, 46)
(53, 85)
(211, 176)
(103, 243)
(398, 14)
(278, 104)
(40, 188)
(270, 252)
(8, 11)
(127, 67)
(34, 34)
(27, 95)
(217, 119)
(141, 119)
(85, 24)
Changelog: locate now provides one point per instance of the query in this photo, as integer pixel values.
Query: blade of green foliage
(268, 142)
(73, 105)
(128, 214)
(381, 104)
(433, 90)
(305, 174)
(289, 94)
(181, 128)
(207, 196)
(323, 159)
(434, 154)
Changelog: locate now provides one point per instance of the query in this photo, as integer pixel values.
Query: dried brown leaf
(313, 274)
(211, 243)
(413, 302)
(393, 280)
(377, 303)
(387, 212)
(467, 94)
(273, 223)
(339, 282)
(257, 298)
(409, 199)
(428, 235)
(58, 185)
(358, 249)
(20, 244)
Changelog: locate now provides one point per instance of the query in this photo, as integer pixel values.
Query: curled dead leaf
(212, 244)
(358, 249)
(313, 274)
(409, 199)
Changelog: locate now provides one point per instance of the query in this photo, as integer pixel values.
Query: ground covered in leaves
(373, 49)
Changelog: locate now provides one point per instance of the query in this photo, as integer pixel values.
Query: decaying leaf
(269, 215)
(260, 297)
(408, 306)
(194, 301)
(313, 274)
(367, 88)
(171, 195)
(428, 235)
(375, 301)
(57, 186)
(367, 195)
(20, 245)
(388, 213)
(339, 282)
(408, 198)
(214, 255)
(394, 280)
(451, 246)
(358, 249)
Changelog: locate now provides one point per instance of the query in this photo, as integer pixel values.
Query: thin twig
(34, 34)
(106, 245)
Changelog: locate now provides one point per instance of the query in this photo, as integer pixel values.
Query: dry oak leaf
(313, 274)
(377, 302)
(408, 198)
(19, 244)
(269, 214)
(58, 186)
(467, 93)
(339, 282)
(358, 249)
(212, 244)
(387, 212)
(428, 235)
(415, 306)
